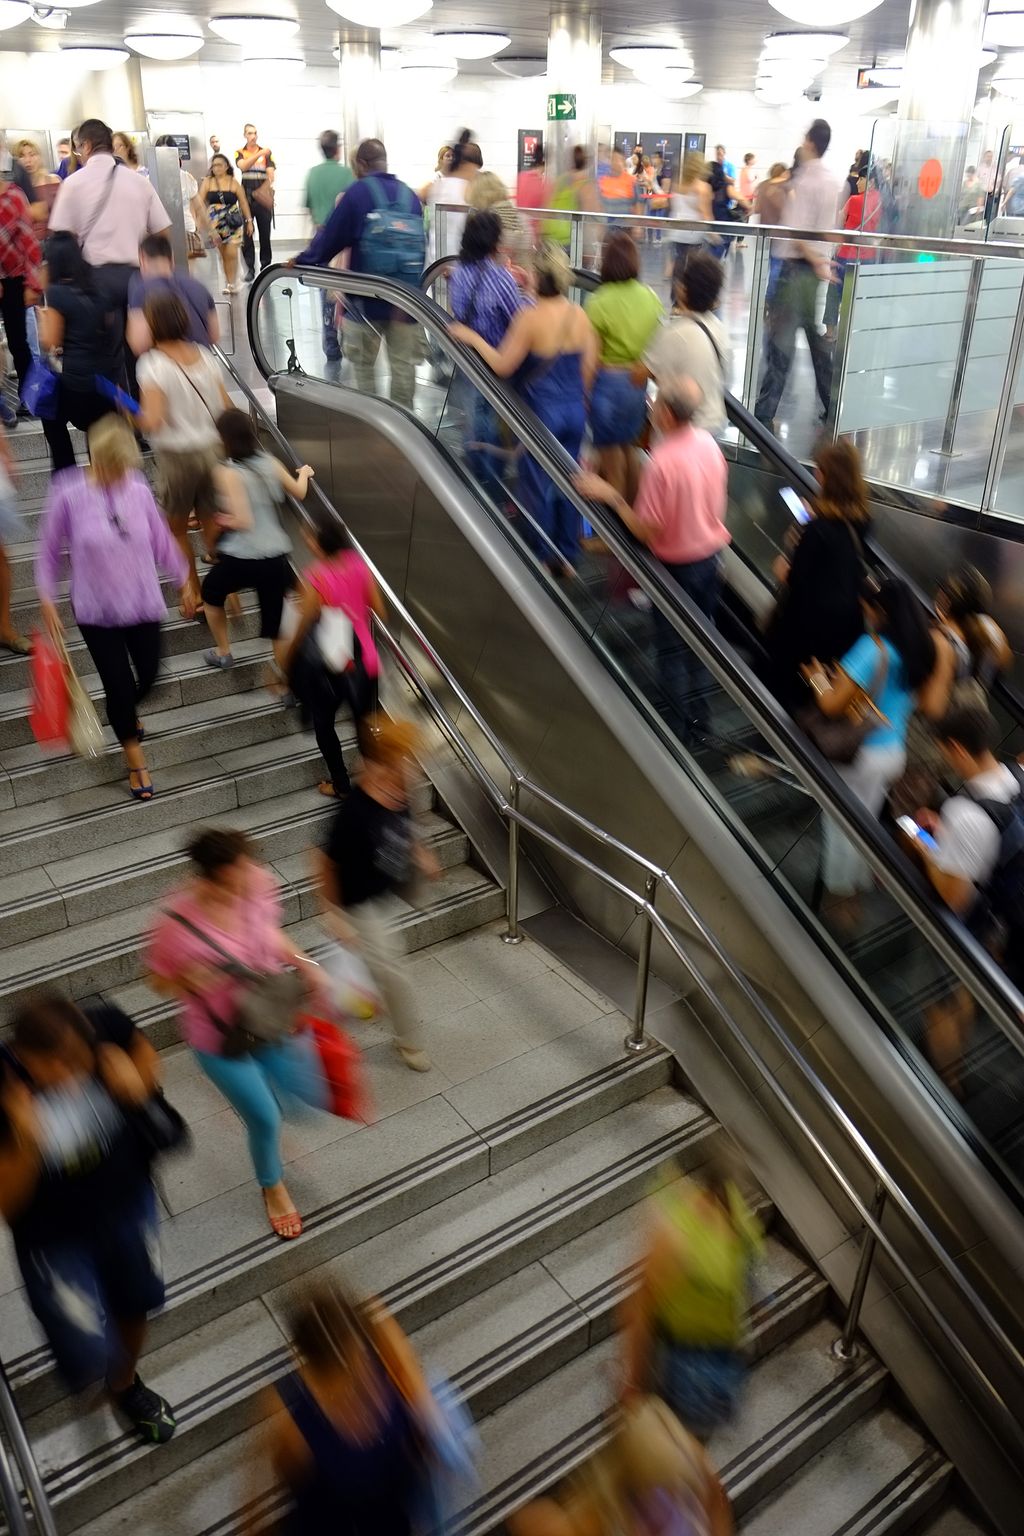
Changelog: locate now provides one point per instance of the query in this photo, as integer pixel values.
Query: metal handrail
(44, 1523)
(913, 244)
(966, 958)
(659, 879)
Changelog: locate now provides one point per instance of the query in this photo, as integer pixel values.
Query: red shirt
(856, 218)
(19, 249)
(683, 496)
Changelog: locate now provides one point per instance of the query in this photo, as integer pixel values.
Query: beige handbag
(85, 733)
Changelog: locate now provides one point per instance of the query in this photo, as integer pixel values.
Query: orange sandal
(287, 1226)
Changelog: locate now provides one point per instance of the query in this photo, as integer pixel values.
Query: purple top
(114, 539)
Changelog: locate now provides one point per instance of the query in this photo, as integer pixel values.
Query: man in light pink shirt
(679, 513)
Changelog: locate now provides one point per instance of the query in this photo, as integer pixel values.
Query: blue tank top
(549, 384)
(354, 1489)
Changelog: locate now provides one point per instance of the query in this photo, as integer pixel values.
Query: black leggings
(80, 407)
(127, 660)
(12, 307)
(322, 694)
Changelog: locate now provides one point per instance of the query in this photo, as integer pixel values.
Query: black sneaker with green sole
(150, 1413)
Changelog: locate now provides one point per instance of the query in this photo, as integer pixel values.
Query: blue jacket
(343, 232)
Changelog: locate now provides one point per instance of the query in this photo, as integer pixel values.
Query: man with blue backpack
(379, 221)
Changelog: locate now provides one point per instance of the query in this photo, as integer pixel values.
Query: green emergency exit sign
(561, 108)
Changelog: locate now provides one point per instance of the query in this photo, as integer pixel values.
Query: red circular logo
(930, 179)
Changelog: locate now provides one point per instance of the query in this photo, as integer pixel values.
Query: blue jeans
(485, 457)
(618, 408)
(255, 1085)
(79, 1286)
(683, 679)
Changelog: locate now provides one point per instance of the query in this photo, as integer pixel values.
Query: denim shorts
(701, 1386)
(76, 1286)
(618, 408)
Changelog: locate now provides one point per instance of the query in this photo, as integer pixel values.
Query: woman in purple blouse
(104, 523)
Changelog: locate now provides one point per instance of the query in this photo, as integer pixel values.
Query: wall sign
(562, 107)
(929, 178)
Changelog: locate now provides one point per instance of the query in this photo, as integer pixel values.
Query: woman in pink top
(231, 907)
(338, 578)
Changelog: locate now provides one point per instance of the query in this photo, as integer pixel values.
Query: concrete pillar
(359, 69)
(940, 87)
(574, 69)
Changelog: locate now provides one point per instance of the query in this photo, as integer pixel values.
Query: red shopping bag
(342, 1069)
(48, 715)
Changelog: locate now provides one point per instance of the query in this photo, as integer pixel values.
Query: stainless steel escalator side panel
(547, 695)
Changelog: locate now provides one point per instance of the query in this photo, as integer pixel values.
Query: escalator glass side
(964, 1056)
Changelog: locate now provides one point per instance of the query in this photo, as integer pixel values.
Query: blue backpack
(393, 242)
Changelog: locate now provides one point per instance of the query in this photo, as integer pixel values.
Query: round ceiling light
(95, 55)
(1004, 26)
(663, 75)
(388, 56)
(422, 66)
(792, 69)
(654, 57)
(473, 45)
(824, 13)
(13, 13)
(520, 66)
(803, 45)
(172, 37)
(52, 20)
(381, 13)
(257, 30)
(673, 88)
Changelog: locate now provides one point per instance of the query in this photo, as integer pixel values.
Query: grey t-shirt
(265, 538)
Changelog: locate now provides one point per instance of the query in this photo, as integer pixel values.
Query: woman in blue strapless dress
(552, 349)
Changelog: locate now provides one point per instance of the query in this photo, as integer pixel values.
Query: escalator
(908, 962)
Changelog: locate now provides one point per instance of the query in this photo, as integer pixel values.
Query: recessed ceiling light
(652, 57)
(801, 45)
(172, 37)
(824, 13)
(13, 13)
(473, 45)
(95, 55)
(273, 64)
(257, 29)
(381, 13)
(520, 66)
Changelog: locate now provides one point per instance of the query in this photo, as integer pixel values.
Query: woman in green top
(684, 1325)
(625, 313)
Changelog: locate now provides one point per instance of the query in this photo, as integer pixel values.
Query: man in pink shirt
(679, 513)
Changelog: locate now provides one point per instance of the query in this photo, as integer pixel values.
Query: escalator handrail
(507, 805)
(968, 959)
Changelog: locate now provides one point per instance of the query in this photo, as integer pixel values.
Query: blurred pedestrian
(349, 1445)
(156, 273)
(338, 581)
(371, 852)
(770, 202)
(45, 184)
(77, 1193)
(553, 349)
(325, 184)
(183, 396)
(252, 547)
(695, 344)
(488, 193)
(464, 165)
(691, 199)
(230, 216)
(215, 942)
(257, 169)
(74, 322)
(103, 523)
(625, 313)
(20, 281)
(683, 1326)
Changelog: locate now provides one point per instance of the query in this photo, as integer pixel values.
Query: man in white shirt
(805, 264)
(111, 210)
(974, 831)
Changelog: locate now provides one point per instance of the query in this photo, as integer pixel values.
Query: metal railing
(32, 1496)
(658, 882)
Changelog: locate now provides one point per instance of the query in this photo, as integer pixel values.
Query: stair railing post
(512, 934)
(636, 1040)
(846, 1346)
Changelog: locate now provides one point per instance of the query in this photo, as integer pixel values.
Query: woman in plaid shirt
(19, 271)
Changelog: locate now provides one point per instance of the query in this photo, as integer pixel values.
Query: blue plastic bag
(40, 390)
(453, 1447)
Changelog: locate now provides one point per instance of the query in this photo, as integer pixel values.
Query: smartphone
(118, 396)
(795, 505)
(908, 825)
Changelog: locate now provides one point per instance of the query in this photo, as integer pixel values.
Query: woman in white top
(691, 199)
(182, 397)
(694, 343)
(453, 187)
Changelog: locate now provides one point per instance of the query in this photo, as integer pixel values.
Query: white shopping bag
(352, 986)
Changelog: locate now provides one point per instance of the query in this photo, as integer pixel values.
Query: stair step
(28, 442)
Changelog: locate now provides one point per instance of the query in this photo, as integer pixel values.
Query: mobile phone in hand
(795, 504)
(908, 825)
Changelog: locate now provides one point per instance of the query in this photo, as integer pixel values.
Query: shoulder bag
(267, 1003)
(841, 738)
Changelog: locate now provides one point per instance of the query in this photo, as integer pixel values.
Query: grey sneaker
(213, 658)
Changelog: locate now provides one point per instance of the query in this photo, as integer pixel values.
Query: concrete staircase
(496, 1203)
